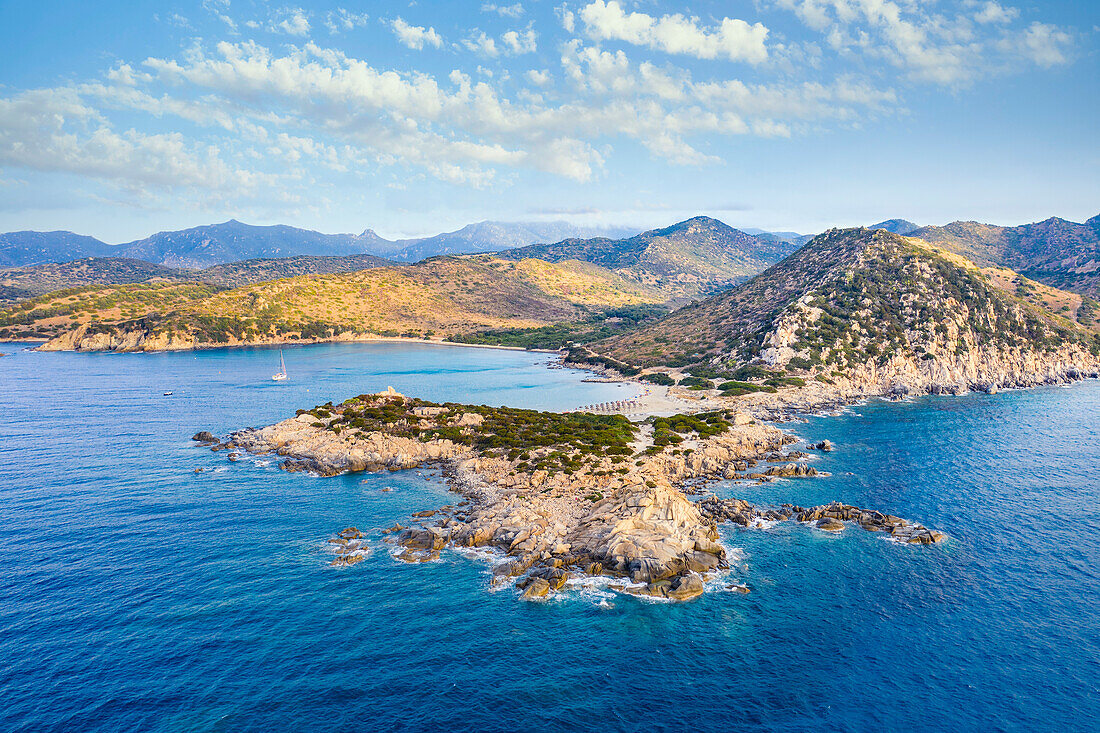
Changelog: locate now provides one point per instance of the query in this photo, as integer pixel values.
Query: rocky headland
(562, 495)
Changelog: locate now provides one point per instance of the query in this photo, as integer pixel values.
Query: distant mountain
(1056, 252)
(33, 248)
(234, 241)
(692, 258)
(897, 226)
(873, 306)
(492, 236)
(773, 236)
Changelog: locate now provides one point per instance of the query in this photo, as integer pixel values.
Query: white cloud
(992, 12)
(1046, 45)
(53, 130)
(344, 20)
(220, 10)
(937, 47)
(267, 118)
(415, 36)
(295, 22)
(568, 20)
(482, 44)
(520, 42)
(291, 21)
(732, 39)
(508, 11)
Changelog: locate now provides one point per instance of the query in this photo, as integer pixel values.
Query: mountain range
(690, 259)
(1055, 252)
(233, 241)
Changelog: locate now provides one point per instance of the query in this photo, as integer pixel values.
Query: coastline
(617, 508)
(158, 346)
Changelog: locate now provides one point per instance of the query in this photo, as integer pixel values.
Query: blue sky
(118, 119)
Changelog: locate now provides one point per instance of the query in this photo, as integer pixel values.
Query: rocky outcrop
(828, 517)
(350, 548)
(307, 446)
(627, 519)
(83, 338)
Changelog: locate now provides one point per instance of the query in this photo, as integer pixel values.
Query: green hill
(441, 297)
(38, 279)
(247, 272)
(856, 300)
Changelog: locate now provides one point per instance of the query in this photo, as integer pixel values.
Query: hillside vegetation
(436, 298)
(1056, 252)
(851, 299)
(694, 258)
(25, 282)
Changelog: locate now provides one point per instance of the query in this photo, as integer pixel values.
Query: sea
(147, 584)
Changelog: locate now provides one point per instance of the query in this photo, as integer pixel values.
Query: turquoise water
(136, 594)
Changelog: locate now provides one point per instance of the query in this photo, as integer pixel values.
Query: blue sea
(139, 595)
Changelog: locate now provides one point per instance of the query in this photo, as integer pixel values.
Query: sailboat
(282, 369)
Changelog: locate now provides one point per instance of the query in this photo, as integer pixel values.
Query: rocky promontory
(562, 495)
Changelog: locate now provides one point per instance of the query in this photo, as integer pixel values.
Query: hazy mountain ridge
(871, 303)
(695, 257)
(233, 241)
(33, 248)
(492, 236)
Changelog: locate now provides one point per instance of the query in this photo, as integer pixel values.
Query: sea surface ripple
(137, 594)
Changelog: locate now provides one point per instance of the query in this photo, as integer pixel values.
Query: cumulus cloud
(520, 41)
(732, 39)
(311, 107)
(482, 44)
(415, 36)
(54, 130)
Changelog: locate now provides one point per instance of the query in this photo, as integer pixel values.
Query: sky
(122, 118)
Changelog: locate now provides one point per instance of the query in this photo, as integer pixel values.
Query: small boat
(166, 394)
(282, 370)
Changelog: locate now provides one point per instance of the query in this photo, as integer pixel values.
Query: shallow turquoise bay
(136, 594)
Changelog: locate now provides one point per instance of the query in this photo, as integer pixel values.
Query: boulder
(537, 588)
(830, 525)
(685, 587)
(204, 436)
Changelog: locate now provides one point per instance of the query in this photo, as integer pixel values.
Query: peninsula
(562, 495)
